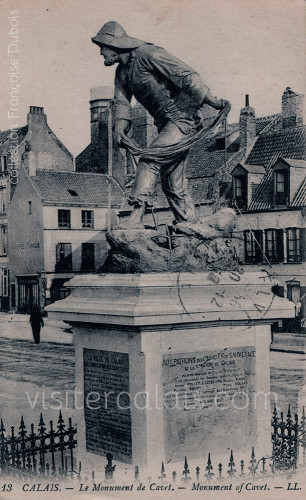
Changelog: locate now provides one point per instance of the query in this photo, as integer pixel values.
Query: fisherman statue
(173, 93)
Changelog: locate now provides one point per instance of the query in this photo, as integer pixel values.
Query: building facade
(47, 151)
(52, 219)
(269, 195)
(60, 220)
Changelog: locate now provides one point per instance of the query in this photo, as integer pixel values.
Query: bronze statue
(173, 93)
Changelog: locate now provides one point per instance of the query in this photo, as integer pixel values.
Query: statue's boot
(134, 221)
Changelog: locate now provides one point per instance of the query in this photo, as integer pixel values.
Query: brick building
(52, 219)
(60, 219)
(269, 193)
(46, 151)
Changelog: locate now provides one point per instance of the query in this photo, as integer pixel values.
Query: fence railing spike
(136, 473)
(109, 467)
(242, 474)
(186, 471)
(198, 472)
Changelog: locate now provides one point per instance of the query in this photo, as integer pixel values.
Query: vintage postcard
(152, 249)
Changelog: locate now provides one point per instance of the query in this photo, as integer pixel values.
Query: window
(280, 182)
(274, 245)
(293, 245)
(3, 240)
(3, 165)
(253, 246)
(87, 218)
(29, 207)
(238, 187)
(2, 200)
(64, 218)
(240, 191)
(281, 187)
(63, 257)
(72, 192)
(4, 288)
(94, 114)
(88, 256)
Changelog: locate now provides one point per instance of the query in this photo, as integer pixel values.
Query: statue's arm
(179, 73)
(157, 59)
(121, 109)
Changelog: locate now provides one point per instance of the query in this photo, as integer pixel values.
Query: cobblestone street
(29, 374)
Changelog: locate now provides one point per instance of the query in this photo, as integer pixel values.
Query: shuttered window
(293, 245)
(253, 246)
(63, 257)
(274, 245)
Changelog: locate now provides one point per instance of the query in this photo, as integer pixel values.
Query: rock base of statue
(207, 245)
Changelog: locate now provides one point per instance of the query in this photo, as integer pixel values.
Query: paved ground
(29, 374)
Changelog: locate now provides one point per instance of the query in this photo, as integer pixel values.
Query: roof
(263, 196)
(205, 158)
(266, 122)
(5, 144)
(299, 199)
(252, 169)
(286, 143)
(59, 187)
(295, 163)
(201, 163)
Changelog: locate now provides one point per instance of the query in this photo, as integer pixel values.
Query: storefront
(28, 293)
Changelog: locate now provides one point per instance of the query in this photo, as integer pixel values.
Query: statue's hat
(114, 35)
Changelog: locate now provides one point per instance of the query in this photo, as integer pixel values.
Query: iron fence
(288, 440)
(45, 452)
(49, 452)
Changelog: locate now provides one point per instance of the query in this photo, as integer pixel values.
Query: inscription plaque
(106, 403)
(209, 401)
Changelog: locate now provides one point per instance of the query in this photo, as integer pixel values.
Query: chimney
(100, 99)
(144, 130)
(29, 162)
(100, 102)
(247, 124)
(292, 108)
(36, 117)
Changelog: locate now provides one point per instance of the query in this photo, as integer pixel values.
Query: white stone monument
(172, 364)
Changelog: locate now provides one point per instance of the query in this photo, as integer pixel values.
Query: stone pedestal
(170, 365)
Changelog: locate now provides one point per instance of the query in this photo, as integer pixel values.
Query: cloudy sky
(239, 47)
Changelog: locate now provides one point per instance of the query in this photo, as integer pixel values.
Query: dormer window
(281, 188)
(239, 187)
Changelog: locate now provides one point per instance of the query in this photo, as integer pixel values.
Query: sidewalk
(17, 326)
(289, 342)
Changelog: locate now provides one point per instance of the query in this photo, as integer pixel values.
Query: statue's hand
(119, 137)
(224, 104)
(121, 129)
(220, 103)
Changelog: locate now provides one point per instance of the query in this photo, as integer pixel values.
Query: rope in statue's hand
(170, 152)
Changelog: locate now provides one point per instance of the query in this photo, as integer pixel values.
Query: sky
(239, 47)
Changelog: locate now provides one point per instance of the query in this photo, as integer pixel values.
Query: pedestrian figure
(36, 320)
